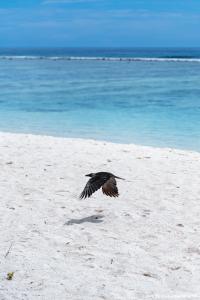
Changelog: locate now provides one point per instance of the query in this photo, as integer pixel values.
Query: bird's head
(90, 175)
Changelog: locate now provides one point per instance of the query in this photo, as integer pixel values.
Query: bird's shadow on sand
(90, 219)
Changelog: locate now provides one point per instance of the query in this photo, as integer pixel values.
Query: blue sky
(99, 23)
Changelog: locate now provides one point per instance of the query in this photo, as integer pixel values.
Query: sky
(99, 23)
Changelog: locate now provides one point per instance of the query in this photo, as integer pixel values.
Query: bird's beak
(88, 175)
(119, 178)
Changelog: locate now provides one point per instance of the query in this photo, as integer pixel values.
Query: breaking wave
(85, 58)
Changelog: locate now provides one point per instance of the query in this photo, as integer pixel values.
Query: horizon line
(94, 47)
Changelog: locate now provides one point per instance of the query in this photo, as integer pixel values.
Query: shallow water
(145, 102)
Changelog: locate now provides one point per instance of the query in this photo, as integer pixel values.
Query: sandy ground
(143, 245)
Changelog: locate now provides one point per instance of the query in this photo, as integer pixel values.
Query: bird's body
(101, 179)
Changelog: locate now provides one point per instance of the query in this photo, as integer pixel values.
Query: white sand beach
(145, 244)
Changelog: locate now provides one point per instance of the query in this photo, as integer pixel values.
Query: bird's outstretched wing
(92, 186)
(110, 188)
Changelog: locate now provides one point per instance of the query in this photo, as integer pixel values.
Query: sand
(145, 244)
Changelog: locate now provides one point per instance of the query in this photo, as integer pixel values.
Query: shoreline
(143, 244)
(97, 141)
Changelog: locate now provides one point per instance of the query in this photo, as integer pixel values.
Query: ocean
(135, 95)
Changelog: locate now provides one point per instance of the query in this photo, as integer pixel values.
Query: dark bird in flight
(101, 179)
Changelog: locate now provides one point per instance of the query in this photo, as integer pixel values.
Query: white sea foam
(129, 59)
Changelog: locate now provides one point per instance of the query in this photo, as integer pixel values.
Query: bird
(101, 179)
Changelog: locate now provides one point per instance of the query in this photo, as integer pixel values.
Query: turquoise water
(151, 102)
